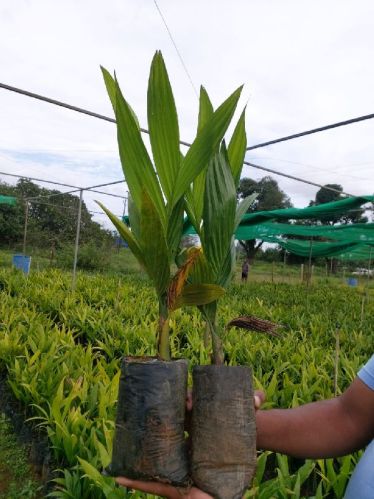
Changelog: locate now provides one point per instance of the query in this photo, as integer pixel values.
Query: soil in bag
(149, 441)
(223, 430)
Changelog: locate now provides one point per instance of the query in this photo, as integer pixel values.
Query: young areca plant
(157, 188)
(214, 213)
(222, 466)
(149, 440)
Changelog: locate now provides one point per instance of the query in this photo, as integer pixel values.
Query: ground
(16, 477)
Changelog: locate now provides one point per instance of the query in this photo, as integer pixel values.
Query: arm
(328, 428)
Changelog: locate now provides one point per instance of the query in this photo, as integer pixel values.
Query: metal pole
(126, 203)
(25, 228)
(77, 240)
(310, 261)
(369, 263)
(336, 363)
(365, 297)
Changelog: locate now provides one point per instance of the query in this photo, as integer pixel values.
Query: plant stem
(210, 313)
(207, 335)
(163, 345)
(218, 356)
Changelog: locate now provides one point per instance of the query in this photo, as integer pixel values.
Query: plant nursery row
(60, 356)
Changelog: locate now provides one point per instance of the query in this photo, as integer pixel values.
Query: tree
(51, 221)
(270, 197)
(326, 195)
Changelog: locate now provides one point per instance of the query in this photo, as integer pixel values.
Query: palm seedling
(222, 465)
(157, 189)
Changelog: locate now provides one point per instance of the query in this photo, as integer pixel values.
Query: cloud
(303, 65)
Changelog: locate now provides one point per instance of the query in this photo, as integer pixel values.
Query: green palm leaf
(236, 149)
(198, 295)
(163, 125)
(154, 245)
(242, 208)
(136, 164)
(110, 85)
(219, 212)
(195, 196)
(126, 234)
(204, 146)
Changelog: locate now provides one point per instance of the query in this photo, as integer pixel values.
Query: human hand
(258, 398)
(162, 489)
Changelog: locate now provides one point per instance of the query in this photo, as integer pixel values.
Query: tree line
(52, 220)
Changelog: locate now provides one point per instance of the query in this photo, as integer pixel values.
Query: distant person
(323, 429)
(245, 270)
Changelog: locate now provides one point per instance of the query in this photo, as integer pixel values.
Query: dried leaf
(180, 277)
(252, 323)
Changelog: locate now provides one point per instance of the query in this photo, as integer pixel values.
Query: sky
(303, 65)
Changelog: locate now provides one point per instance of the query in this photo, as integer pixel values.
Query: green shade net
(358, 233)
(350, 241)
(360, 252)
(319, 212)
(8, 200)
(347, 250)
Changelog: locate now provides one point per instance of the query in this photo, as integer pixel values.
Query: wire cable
(68, 185)
(80, 189)
(176, 48)
(68, 106)
(100, 116)
(292, 177)
(310, 132)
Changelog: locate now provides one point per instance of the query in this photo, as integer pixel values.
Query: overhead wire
(292, 177)
(314, 167)
(60, 207)
(143, 130)
(176, 49)
(69, 106)
(77, 189)
(310, 132)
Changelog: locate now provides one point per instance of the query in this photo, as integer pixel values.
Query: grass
(16, 477)
(123, 262)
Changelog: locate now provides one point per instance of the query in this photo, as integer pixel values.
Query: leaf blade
(242, 208)
(219, 212)
(163, 125)
(198, 294)
(125, 233)
(205, 145)
(154, 246)
(137, 166)
(237, 148)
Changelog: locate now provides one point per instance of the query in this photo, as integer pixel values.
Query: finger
(259, 398)
(198, 494)
(160, 489)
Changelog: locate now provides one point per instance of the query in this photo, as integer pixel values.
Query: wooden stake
(336, 363)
